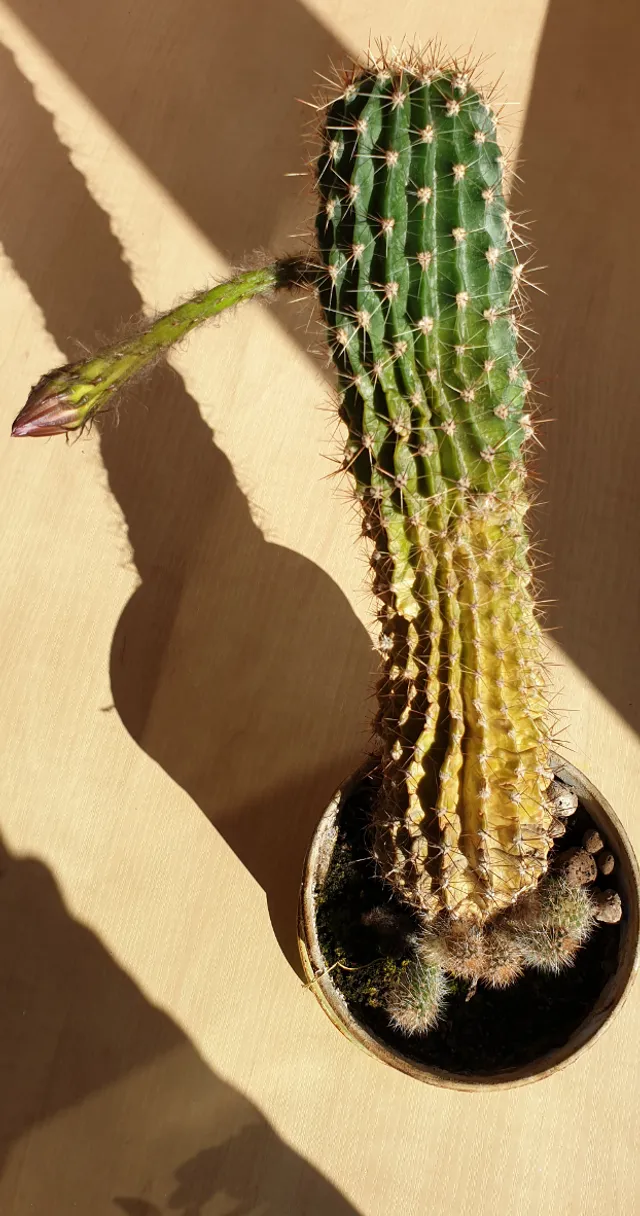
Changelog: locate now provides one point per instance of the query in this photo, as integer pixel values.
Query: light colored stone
(608, 907)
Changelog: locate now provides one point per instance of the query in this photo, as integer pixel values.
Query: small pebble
(606, 863)
(564, 800)
(592, 841)
(577, 866)
(608, 907)
(557, 828)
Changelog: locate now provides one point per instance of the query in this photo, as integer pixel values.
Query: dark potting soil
(495, 1029)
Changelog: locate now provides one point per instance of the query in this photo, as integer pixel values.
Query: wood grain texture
(186, 662)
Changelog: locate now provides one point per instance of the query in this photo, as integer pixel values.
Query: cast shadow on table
(580, 185)
(206, 96)
(580, 190)
(119, 1107)
(234, 655)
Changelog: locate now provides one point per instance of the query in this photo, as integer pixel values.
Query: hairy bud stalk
(418, 297)
(66, 399)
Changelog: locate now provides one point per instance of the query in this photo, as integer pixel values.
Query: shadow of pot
(607, 1001)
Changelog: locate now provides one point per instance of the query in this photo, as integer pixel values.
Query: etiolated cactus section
(420, 296)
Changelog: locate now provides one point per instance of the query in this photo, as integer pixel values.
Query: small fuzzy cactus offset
(421, 302)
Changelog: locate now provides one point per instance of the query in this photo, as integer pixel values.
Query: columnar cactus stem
(419, 291)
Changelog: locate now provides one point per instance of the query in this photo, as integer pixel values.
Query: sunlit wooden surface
(185, 658)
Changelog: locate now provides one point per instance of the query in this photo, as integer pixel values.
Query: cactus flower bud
(56, 405)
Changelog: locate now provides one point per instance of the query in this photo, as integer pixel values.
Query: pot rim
(610, 1000)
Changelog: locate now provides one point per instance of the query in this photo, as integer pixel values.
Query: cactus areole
(420, 297)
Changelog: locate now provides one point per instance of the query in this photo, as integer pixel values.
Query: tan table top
(185, 656)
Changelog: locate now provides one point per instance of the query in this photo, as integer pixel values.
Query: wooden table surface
(186, 662)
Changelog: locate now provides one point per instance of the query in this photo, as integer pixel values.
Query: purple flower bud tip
(46, 414)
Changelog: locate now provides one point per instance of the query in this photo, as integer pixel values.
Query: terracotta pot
(627, 881)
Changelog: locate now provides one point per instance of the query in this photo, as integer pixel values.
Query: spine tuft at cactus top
(420, 291)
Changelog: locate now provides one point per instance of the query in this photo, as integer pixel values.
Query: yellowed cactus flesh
(462, 821)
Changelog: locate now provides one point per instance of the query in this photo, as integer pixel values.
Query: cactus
(504, 955)
(420, 287)
(552, 923)
(458, 948)
(544, 930)
(420, 299)
(415, 1002)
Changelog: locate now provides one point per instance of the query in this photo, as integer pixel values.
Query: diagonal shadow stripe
(165, 1133)
(154, 1123)
(224, 129)
(250, 695)
(581, 185)
(220, 127)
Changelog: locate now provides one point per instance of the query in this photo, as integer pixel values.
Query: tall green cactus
(419, 297)
(419, 282)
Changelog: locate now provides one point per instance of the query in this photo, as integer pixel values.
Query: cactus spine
(419, 297)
